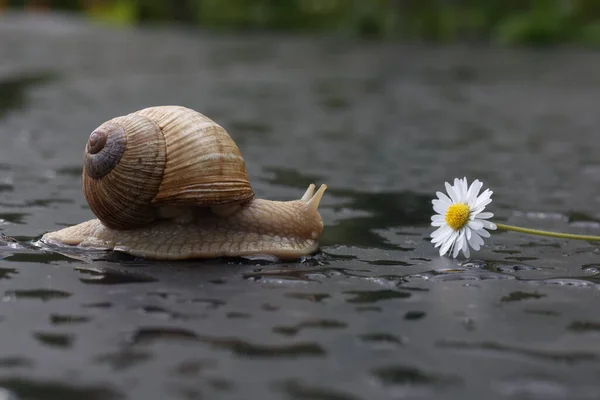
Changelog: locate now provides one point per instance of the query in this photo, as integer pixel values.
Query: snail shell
(158, 156)
(168, 183)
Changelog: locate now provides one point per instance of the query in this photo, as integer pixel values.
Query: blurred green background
(532, 22)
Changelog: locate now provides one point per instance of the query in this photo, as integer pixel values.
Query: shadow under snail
(169, 183)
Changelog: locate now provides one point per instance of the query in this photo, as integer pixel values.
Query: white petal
(438, 218)
(464, 188)
(475, 225)
(441, 230)
(458, 187)
(444, 198)
(476, 241)
(444, 234)
(477, 210)
(489, 225)
(485, 215)
(446, 246)
(459, 244)
(454, 251)
(442, 238)
(452, 193)
(439, 207)
(466, 250)
(484, 199)
(473, 191)
(436, 233)
(483, 233)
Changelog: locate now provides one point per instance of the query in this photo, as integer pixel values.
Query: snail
(169, 183)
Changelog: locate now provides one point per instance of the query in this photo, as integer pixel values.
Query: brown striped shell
(159, 156)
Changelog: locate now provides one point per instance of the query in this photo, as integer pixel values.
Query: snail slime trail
(168, 183)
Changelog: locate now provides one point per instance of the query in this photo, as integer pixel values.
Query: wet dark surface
(378, 314)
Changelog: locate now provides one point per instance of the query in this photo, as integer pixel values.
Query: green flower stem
(547, 233)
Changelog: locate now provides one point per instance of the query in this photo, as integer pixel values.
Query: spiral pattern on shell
(123, 176)
(104, 149)
(168, 155)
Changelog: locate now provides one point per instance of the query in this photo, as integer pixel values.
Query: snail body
(169, 183)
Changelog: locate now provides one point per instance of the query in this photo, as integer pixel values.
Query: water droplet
(457, 274)
(591, 269)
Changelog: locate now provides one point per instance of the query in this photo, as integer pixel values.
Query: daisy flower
(460, 218)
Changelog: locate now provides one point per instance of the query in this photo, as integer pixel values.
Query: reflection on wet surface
(376, 314)
(13, 89)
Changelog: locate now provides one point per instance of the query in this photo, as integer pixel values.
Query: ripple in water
(57, 340)
(494, 347)
(456, 274)
(37, 294)
(414, 315)
(305, 275)
(412, 378)
(376, 296)
(123, 359)
(193, 368)
(519, 296)
(37, 389)
(315, 323)
(584, 283)
(39, 258)
(314, 297)
(105, 276)
(532, 386)
(385, 340)
(63, 319)
(300, 391)
(584, 326)
(7, 273)
(235, 345)
(163, 313)
(16, 362)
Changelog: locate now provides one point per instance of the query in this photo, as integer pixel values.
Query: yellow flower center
(457, 215)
